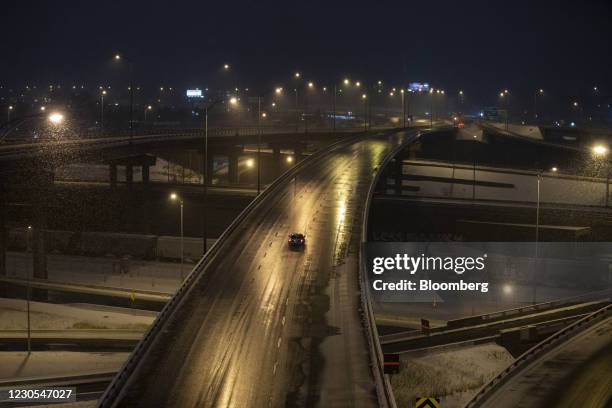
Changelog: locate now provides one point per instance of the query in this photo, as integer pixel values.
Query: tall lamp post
(175, 197)
(537, 239)
(29, 291)
(335, 92)
(8, 113)
(306, 94)
(365, 112)
(205, 167)
(147, 109)
(297, 76)
(346, 81)
(259, 144)
(262, 115)
(601, 151)
(102, 94)
(505, 95)
(119, 57)
(431, 107)
(537, 93)
(403, 107)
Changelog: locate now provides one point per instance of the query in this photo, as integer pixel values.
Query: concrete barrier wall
(111, 244)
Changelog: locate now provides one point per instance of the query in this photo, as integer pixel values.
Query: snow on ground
(144, 275)
(452, 375)
(73, 316)
(19, 365)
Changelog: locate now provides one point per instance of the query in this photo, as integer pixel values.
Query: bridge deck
(266, 326)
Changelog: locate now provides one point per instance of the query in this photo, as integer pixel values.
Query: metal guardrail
(87, 288)
(56, 380)
(536, 352)
(212, 132)
(24, 150)
(472, 320)
(386, 399)
(128, 368)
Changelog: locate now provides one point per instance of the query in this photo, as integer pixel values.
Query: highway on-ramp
(575, 374)
(262, 325)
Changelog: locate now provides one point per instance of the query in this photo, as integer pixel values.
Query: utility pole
(258, 145)
(403, 109)
(205, 174)
(334, 109)
(131, 101)
(297, 112)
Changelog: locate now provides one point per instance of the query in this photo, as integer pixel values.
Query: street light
(365, 111)
(56, 118)
(250, 163)
(174, 197)
(8, 113)
(601, 151)
(403, 108)
(535, 101)
(289, 159)
(505, 97)
(537, 240)
(205, 172)
(146, 110)
(297, 76)
(226, 67)
(102, 94)
(119, 57)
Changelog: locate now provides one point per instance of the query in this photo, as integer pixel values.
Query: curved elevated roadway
(575, 373)
(259, 325)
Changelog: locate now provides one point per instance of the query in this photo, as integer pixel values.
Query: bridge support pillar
(210, 167)
(113, 175)
(298, 150)
(136, 207)
(145, 174)
(129, 175)
(232, 169)
(276, 160)
(397, 174)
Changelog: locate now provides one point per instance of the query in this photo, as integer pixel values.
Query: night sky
(477, 46)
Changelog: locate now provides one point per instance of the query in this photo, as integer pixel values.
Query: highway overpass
(258, 325)
(571, 368)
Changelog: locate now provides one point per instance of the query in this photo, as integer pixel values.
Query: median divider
(384, 391)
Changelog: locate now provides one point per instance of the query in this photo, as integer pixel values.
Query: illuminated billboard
(194, 93)
(418, 86)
